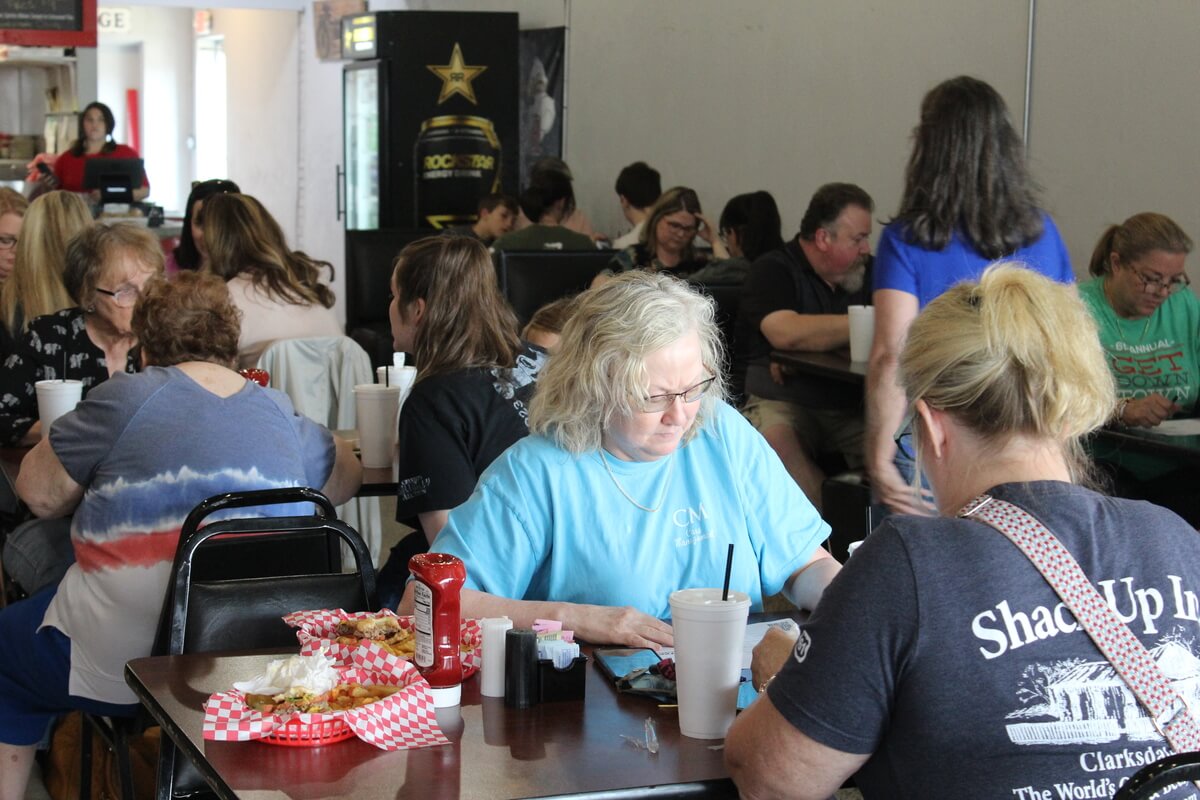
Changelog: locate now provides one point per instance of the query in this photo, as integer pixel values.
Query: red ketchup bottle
(437, 622)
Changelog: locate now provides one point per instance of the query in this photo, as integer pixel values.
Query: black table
(836, 365)
(1184, 449)
(571, 748)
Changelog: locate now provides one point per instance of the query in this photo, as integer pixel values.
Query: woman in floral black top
(107, 266)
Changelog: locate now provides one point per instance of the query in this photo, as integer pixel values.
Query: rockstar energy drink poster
(448, 113)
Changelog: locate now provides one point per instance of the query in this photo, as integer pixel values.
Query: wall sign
(48, 23)
(113, 20)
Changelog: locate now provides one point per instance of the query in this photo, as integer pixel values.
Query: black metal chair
(265, 567)
(1153, 778)
(531, 279)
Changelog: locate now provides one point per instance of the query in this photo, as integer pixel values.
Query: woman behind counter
(1150, 328)
(635, 479)
(36, 286)
(131, 467)
(278, 290)
(106, 268)
(941, 663)
(96, 126)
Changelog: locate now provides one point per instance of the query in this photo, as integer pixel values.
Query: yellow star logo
(456, 77)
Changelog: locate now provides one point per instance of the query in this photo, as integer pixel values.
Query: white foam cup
(708, 658)
(376, 406)
(862, 331)
(56, 398)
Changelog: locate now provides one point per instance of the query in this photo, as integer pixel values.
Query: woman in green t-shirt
(1149, 325)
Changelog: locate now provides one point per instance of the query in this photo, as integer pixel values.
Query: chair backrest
(207, 609)
(728, 297)
(245, 613)
(319, 374)
(369, 259)
(531, 279)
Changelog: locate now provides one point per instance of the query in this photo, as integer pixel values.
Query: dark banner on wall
(430, 115)
(48, 23)
(542, 57)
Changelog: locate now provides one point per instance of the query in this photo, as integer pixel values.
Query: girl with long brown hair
(475, 379)
(278, 290)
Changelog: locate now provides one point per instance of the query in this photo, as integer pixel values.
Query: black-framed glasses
(8, 242)
(686, 230)
(1158, 284)
(661, 402)
(904, 436)
(124, 296)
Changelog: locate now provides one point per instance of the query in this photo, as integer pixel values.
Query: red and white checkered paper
(403, 721)
(317, 629)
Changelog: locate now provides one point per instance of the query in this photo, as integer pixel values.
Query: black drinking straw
(728, 569)
(387, 377)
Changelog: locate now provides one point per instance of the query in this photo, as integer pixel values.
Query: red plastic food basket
(296, 733)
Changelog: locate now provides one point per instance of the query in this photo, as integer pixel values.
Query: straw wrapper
(402, 721)
(317, 630)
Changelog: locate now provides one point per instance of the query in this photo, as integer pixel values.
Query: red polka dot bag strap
(1126, 653)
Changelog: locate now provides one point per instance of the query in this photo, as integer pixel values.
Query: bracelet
(1122, 404)
(766, 683)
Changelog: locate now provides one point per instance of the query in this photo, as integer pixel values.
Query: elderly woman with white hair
(636, 478)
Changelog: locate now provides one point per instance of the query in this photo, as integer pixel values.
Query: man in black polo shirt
(795, 298)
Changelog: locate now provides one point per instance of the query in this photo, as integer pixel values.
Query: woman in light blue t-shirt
(635, 479)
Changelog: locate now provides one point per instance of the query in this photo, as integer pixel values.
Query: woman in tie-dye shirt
(130, 462)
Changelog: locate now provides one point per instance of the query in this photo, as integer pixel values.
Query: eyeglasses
(905, 435)
(675, 227)
(124, 296)
(1158, 284)
(8, 242)
(661, 402)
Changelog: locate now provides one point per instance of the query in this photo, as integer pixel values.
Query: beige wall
(1116, 115)
(777, 94)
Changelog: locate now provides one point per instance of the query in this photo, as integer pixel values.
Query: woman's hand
(889, 485)
(617, 625)
(771, 654)
(708, 232)
(1148, 411)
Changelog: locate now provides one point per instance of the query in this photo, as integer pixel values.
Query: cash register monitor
(116, 178)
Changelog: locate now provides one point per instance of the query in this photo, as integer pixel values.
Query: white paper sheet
(1189, 426)
(755, 633)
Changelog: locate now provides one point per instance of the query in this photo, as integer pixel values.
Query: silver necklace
(661, 497)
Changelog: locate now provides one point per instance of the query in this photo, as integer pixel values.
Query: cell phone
(42, 168)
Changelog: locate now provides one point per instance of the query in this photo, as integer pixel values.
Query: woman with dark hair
(749, 227)
(130, 467)
(278, 290)
(475, 378)
(1150, 328)
(547, 201)
(106, 268)
(666, 242)
(191, 252)
(96, 125)
(968, 201)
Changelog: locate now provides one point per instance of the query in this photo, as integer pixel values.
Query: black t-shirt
(452, 426)
(780, 280)
(941, 650)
